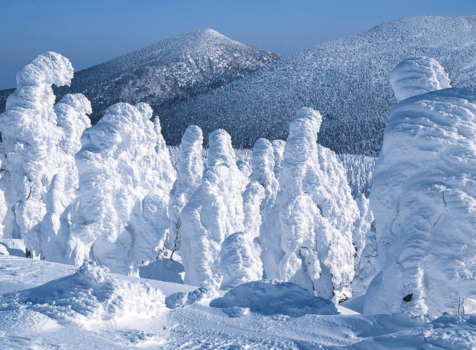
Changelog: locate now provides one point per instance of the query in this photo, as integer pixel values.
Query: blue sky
(89, 32)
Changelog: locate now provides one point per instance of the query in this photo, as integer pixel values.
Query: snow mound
(446, 332)
(163, 270)
(15, 247)
(268, 297)
(89, 298)
(182, 299)
(417, 76)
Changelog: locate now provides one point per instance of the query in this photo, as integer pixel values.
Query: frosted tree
(72, 118)
(213, 213)
(366, 264)
(189, 176)
(423, 196)
(240, 256)
(310, 226)
(30, 139)
(278, 151)
(239, 260)
(125, 176)
(261, 191)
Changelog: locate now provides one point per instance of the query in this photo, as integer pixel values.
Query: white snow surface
(199, 326)
(423, 198)
(308, 239)
(272, 298)
(91, 298)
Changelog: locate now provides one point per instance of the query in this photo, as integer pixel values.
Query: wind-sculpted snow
(417, 76)
(273, 298)
(346, 80)
(189, 176)
(423, 198)
(125, 177)
(31, 137)
(214, 212)
(308, 239)
(90, 298)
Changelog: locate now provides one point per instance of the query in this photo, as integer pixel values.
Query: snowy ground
(202, 327)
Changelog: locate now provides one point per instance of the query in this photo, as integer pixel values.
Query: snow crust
(89, 298)
(423, 199)
(308, 240)
(271, 297)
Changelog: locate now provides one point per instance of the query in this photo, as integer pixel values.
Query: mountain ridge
(345, 79)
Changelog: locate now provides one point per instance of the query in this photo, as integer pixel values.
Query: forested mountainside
(346, 80)
(166, 72)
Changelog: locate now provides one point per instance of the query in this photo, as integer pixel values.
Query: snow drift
(271, 298)
(424, 198)
(91, 297)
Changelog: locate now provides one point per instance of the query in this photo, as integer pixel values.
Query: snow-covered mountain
(346, 80)
(166, 72)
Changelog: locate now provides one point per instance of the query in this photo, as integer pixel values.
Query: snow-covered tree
(240, 255)
(125, 176)
(365, 262)
(278, 151)
(189, 176)
(309, 239)
(239, 260)
(72, 118)
(30, 140)
(424, 196)
(214, 212)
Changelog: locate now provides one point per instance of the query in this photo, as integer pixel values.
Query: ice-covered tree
(240, 256)
(214, 212)
(309, 239)
(189, 176)
(125, 176)
(278, 151)
(72, 118)
(424, 196)
(365, 262)
(30, 140)
(239, 260)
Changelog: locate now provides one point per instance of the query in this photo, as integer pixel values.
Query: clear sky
(89, 32)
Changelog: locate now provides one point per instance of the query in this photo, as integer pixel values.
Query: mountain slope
(346, 80)
(166, 72)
